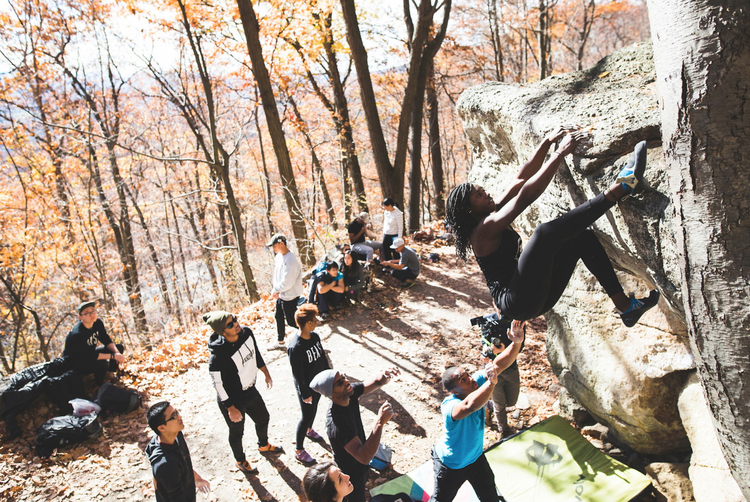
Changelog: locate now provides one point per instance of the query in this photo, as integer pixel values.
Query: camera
(494, 331)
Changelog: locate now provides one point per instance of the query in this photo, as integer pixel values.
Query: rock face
(628, 379)
(709, 472)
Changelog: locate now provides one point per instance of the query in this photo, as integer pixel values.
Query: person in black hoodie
(234, 363)
(307, 359)
(175, 479)
(81, 345)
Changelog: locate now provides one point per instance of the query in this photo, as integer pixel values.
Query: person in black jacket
(307, 359)
(234, 363)
(175, 479)
(82, 345)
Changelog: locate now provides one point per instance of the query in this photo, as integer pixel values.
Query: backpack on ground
(117, 399)
(66, 430)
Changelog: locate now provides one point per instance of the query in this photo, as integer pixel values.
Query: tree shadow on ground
(284, 472)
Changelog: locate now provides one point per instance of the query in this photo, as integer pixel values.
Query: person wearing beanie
(233, 363)
(82, 350)
(286, 287)
(352, 450)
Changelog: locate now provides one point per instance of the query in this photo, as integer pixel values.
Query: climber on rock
(527, 283)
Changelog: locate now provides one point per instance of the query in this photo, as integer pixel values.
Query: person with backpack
(82, 346)
(234, 363)
(175, 480)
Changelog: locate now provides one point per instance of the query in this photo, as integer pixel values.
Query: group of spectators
(235, 364)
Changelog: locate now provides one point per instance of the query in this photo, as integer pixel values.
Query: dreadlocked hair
(458, 219)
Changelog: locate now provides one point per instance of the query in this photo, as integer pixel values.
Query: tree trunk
(266, 179)
(415, 167)
(262, 79)
(702, 57)
(436, 154)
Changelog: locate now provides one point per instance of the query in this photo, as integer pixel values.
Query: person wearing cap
(286, 287)
(234, 363)
(352, 450)
(359, 230)
(458, 455)
(406, 268)
(167, 452)
(89, 348)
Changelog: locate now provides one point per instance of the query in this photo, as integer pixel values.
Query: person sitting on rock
(329, 288)
(359, 230)
(82, 348)
(354, 277)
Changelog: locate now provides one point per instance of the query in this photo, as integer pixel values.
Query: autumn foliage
(135, 156)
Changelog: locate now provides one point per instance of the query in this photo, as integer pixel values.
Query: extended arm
(503, 360)
(383, 379)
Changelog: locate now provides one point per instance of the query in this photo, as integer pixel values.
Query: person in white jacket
(287, 286)
(393, 227)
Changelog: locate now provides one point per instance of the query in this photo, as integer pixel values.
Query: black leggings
(250, 403)
(308, 417)
(549, 259)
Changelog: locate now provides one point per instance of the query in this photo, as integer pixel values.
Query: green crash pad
(549, 462)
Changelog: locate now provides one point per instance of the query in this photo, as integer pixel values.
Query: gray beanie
(323, 382)
(217, 320)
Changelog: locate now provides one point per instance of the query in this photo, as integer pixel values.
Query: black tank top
(500, 265)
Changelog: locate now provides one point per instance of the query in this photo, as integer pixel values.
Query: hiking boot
(638, 307)
(305, 458)
(245, 467)
(313, 435)
(631, 176)
(269, 448)
(407, 284)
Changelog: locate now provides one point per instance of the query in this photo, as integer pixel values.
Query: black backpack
(117, 399)
(65, 430)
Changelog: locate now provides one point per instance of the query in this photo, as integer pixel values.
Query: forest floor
(422, 330)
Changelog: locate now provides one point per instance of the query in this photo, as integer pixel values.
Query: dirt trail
(421, 330)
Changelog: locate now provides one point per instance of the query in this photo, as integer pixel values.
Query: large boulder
(708, 471)
(628, 379)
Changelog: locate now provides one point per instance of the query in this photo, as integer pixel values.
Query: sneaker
(305, 458)
(324, 316)
(638, 307)
(245, 467)
(407, 284)
(631, 176)
(269, 448)
(279, 346)
(313, 435)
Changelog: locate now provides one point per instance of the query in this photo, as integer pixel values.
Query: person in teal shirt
(458, 455)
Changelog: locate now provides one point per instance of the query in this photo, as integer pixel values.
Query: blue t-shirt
(462, 440)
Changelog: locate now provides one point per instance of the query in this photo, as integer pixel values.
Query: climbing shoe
(631, 176)
(638, 307)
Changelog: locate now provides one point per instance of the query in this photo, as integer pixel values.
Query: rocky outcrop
(628, 379)
(709, 472)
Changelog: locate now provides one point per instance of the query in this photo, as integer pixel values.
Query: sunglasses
(173, 416)
(230, 325)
